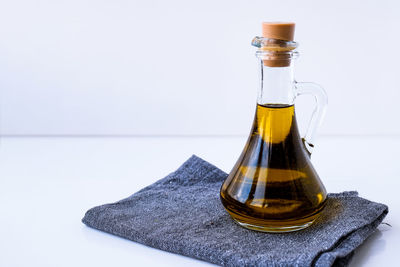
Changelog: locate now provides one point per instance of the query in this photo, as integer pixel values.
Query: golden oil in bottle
(273, 186)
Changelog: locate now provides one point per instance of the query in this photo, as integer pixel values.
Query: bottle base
(274, 229)
(274, 226)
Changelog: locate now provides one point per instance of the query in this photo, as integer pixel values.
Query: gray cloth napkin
(182, 213)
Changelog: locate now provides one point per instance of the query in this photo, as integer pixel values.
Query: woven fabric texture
(182, 213)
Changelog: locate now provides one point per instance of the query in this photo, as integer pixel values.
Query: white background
(82, 67)
(176, 78)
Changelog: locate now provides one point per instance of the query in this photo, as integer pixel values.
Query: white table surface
(47, 184)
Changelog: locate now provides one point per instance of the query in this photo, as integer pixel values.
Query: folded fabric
(182, 213)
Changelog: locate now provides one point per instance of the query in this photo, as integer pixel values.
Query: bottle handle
(321, 100)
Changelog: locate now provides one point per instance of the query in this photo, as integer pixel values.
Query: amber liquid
(273, 186)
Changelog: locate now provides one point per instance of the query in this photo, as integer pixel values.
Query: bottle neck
(276, 85)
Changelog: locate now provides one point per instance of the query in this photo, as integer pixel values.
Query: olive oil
(273, 186)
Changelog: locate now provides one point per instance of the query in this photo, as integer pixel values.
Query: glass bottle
(273, 187)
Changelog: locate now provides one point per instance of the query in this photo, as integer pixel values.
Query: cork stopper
(281, 32)
(278, 30)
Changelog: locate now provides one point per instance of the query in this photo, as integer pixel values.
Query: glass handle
(321, 100)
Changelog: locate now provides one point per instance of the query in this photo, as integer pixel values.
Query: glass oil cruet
(273, 187)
